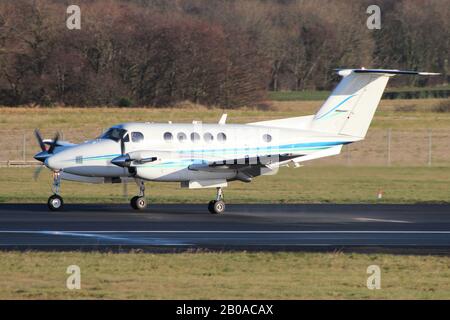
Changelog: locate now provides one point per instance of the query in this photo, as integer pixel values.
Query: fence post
(389, 133)
(24, 149)
(348, 154)
(430, 144)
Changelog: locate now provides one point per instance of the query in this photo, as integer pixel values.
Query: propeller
(44, 154)
(54, 143)
(122, 146)
(38, 136)
(37, 172)
(125, 159)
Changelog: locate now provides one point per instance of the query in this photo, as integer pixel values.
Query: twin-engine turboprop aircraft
(210, 155)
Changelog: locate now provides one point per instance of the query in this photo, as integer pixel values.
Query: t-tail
(350, 108)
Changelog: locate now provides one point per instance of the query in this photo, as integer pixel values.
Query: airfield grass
(237, 275)
(396, 114)
(309, 184)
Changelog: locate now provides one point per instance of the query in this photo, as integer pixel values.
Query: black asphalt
(249, 227)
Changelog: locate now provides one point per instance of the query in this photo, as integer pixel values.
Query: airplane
(205, 155)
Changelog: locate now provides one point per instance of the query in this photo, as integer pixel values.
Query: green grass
(40, 275)
(309, 184)
(306, 95)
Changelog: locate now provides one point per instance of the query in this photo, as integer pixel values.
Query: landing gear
(217, 206)
(139, 202)
(55, 202)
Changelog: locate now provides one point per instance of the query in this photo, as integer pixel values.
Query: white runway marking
(380, 220)
(76, 232)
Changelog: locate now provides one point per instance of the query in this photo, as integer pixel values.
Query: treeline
(213, 52)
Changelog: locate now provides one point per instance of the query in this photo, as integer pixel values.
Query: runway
(242, 227)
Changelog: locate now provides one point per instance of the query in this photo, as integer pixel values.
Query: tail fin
(350, 107)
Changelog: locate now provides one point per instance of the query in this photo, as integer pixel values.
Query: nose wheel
(55, 202)
(138, 202)
(217, 206)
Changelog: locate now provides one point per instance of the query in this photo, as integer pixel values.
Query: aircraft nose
(53, 163)
(41, 156)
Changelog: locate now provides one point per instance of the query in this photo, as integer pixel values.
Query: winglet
(223, 119)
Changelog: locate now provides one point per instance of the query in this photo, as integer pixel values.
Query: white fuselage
(182, 148)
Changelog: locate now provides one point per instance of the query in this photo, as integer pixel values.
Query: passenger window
(137, 137)
(181, 136)
(221, 137)
(208, 137)
(195, 137)
(267, 137)
(168, 136)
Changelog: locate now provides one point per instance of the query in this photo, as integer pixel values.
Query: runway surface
(249, 227)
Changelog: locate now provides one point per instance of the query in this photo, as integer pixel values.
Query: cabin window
(181, 136)
(137, 136)
(208, 137)
(168, 136)
(195, 137)
(221, 137)
(267, 137)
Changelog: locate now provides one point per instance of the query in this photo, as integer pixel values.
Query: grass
(94, 119)
(41, 275)
(306, 95)
(310, 184)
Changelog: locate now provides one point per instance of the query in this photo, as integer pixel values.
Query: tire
(133, 202)
(218, 207)
(55, 203)
(211, 206)
(138, 203)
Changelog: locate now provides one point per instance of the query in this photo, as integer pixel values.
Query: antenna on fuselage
(223, 118)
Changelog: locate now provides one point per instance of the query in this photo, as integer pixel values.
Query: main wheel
(138, 203)
(55, 202)
(211, 206)
(216, 207)
(133, 202)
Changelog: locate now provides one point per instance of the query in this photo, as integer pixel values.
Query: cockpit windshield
(113, 134)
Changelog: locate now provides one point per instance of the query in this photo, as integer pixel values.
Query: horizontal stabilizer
(344, 72)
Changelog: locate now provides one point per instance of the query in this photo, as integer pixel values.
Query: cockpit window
(113, 134)
(137, 136)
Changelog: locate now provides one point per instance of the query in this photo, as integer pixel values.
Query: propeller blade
(125, 190)
(122, 146)
(38, 136)
(37, 172)
(54, 143)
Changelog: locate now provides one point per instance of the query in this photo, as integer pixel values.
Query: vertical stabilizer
(350, 108)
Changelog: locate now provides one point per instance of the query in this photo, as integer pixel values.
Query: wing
(247, 167)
